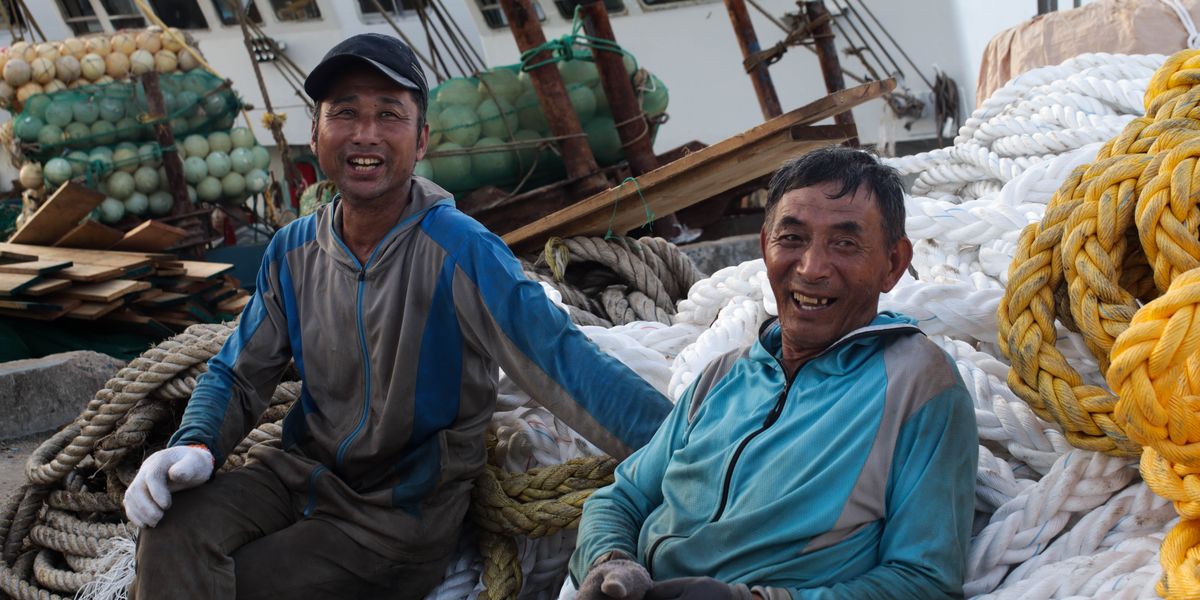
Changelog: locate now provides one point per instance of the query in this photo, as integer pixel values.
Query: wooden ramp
(703, 174)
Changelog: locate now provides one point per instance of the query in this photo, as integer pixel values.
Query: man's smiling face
(828, 260)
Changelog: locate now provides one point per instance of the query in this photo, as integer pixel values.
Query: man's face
(366, 136)
(828, 261)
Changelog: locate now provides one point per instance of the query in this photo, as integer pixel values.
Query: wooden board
(203, 271)
(46, 286)
(151, 236)
(35, 267)
(92, 235)
(90, 273)
(15, 283)
(105, 291)
(90, 311)
(701, 174)
(58, 215)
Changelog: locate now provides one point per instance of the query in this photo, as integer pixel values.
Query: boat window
(227, 11)
(181, 14)
(370, 8)
(493, 15)
(80, 17)
(122, 14)
(566, 8)
(296, 10)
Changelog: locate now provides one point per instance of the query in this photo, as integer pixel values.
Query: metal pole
(556, 106)
(631, 123)
(827, 56)
(760, 77)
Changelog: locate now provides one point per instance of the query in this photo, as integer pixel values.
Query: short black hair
(852, 169)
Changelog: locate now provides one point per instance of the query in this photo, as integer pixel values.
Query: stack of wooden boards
(147, 292)
(62, 221)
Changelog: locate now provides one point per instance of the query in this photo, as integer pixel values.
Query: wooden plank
(92, 235)
(35, 267)
(46, 286)
(702, 174)
(90, 311)
(151, 236)
(89, 273)
(103, 258)
(58, 215)
(204, 271)
(105, 291)
(15, 283)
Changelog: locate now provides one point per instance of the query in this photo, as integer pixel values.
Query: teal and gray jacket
(398, 358)
(853, 479)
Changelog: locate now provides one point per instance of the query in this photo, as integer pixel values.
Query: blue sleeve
(613, 515)
(241, 378)
(511, 319)
(923, 551)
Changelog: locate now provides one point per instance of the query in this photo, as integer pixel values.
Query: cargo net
(106, 114)
(489, 129)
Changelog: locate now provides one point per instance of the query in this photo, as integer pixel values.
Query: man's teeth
(809, 302)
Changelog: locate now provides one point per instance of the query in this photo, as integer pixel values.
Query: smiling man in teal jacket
(833, 458)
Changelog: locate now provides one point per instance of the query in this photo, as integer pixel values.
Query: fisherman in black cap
(396, 310)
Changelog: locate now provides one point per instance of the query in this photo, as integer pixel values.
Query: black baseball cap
(388, 55)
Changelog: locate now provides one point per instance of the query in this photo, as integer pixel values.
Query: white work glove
(166, 471)
(617, 579)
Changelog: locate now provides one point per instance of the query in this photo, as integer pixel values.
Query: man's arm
(237, 388)
(510, 318)
(613, 515)
(930, 505)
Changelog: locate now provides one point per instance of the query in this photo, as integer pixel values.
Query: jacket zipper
(362, 342)
(772, 417)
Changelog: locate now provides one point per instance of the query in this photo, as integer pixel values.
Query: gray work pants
(239, 536)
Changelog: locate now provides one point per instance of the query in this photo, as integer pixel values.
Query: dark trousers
(239, 536)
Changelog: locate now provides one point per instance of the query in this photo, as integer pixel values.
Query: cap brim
(317, 84)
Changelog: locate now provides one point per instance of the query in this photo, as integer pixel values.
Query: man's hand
(697, 588)
(165, 471)
(618, 579)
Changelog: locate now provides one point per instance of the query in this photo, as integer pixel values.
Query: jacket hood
(840, 355)
(423, 196)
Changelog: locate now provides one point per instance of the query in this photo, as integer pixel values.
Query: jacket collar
(768, 348)
(424, 195)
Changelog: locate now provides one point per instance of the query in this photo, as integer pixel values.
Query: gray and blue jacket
(855, 478)
(399, 361)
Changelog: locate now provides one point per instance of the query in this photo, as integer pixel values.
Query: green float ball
(119, 185)
(493, 167)
(60, 113)
(604, 140)
(242, 137)
(458, 92)
(460, 125)
(111, 210)
(104, 132)
(136, 204)
(583, 100)
(195, 169)
(86, 111)
(242, 160)
(257, 180)
(27, 127)
(161, 203)
(451, 172)
(497, 119)
(262, 158)
(196, 145)
(218, 164)
(423, 169)
(209, 190)
(145, 180)
(57, 171)
(233, 186)
(219, 141)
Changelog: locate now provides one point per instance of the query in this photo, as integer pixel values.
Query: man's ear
(899, 257)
